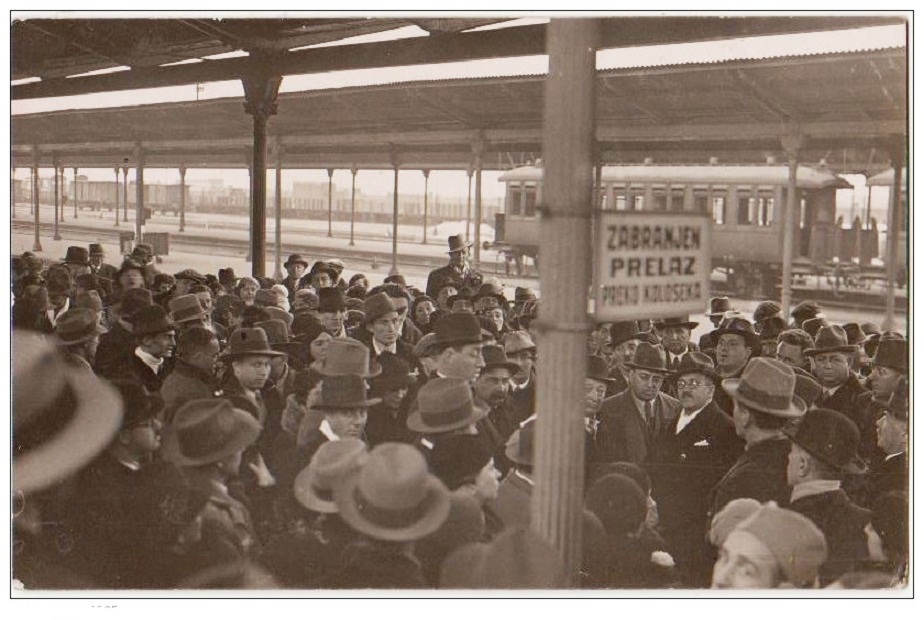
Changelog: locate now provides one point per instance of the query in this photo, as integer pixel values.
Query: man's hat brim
(847, 348)
(661, 371)
(795, 409)
(855, 466)
(416, 423)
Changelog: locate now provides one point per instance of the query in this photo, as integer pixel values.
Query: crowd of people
(213, 431)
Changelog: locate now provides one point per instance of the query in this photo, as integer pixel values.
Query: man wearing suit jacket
(674, 333)
(631, 422)
(697, 447)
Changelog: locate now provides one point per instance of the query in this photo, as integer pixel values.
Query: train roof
(806, 176)
(886, 178)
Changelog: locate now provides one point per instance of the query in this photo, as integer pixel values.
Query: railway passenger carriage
(745, 202)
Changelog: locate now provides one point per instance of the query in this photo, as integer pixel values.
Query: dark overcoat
(759, 473)
(623, 434)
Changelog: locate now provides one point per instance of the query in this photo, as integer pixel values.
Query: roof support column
(182, 198)
(36, 245)
(117, 188)
(426, 174)
(57, 234)
(250, 202)
(75, 192)
(59, 176)
(139, 194)
(261, 86)
(896, 221)
(277, 273)
(394, 220)
(792, 142)
(13, 190)
(568, 144)
(125, 192)
(353, 171)
(468, 206)
(330, 202)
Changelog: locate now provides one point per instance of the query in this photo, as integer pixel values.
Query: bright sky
(455, 183)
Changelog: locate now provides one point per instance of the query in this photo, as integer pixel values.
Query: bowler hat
(676, 321)
(740, 326)
(375, 306)
(77, 325)
(331, 299)
(767, 385)
(597, 369)
(457, 459)
(696, 362)
(521, 447)
(892, 353)
(649, 357)
(396, 375)
(831, 339)
(62, 417)
(517, 341)
(186, 308)
(348, 356)
(621, 331)
(344, 392)
(458, 328)
(443, 405)
(207, 430)
(830, 436)
(77, 255)
(765, 310)
(718, 306)
(495, 357)
(151, 320)
(96, 249)
(517, 559)
(246, 341)
(813, 325)
(794, 541)
(314, 486)
(457, 244)
(296, 259)
(393, 497)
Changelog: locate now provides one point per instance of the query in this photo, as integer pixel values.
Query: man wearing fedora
(514, 495)
(674, 334)
(117, 345)
(77, 260)
(891, 473)
(98, 266)
(391, 502)
(207, 440)
(381, 327)
(832, 359)
(444, 406)
(78, 332)
(186, 311)
(193, 375)
(249, 354)
(696, 449)
(457, 272)
(387, 420)
(764, 404)
(791, 346)
(458, 340)
(344, 404)
(152, 359)
(521, 348)
(491, 393)
(824, 450)
(295, 267)
(407, 330)
(735, 342)
(625, 336)
(632, 421)
(331, 311)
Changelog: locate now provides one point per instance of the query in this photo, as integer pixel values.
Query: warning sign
(651, 265)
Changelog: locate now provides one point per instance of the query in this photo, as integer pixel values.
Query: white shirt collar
(154, 363)
(524, 477)
(379, 348)
(814, 487)
(327, 431)
(685, 418)
(53, 315)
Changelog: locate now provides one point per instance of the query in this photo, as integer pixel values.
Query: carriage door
(818, 225)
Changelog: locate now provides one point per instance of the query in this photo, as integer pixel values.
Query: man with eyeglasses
(631, 422)
(696, 449)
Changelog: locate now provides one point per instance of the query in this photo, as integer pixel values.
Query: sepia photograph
(435, 304)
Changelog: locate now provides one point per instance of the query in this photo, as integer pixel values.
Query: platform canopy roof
(851, 107)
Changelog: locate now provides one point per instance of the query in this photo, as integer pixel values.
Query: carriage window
(676, 199)
(745, 206)
(620, 203)
(638, 203)
(513, 200)
(659, 202)
(765, 212)
(701, 204)
(802, 210)
(529, 200)
(718, 210)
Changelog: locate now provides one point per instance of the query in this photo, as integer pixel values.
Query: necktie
(650, 419)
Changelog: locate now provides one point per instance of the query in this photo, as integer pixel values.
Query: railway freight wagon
(745, 204)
